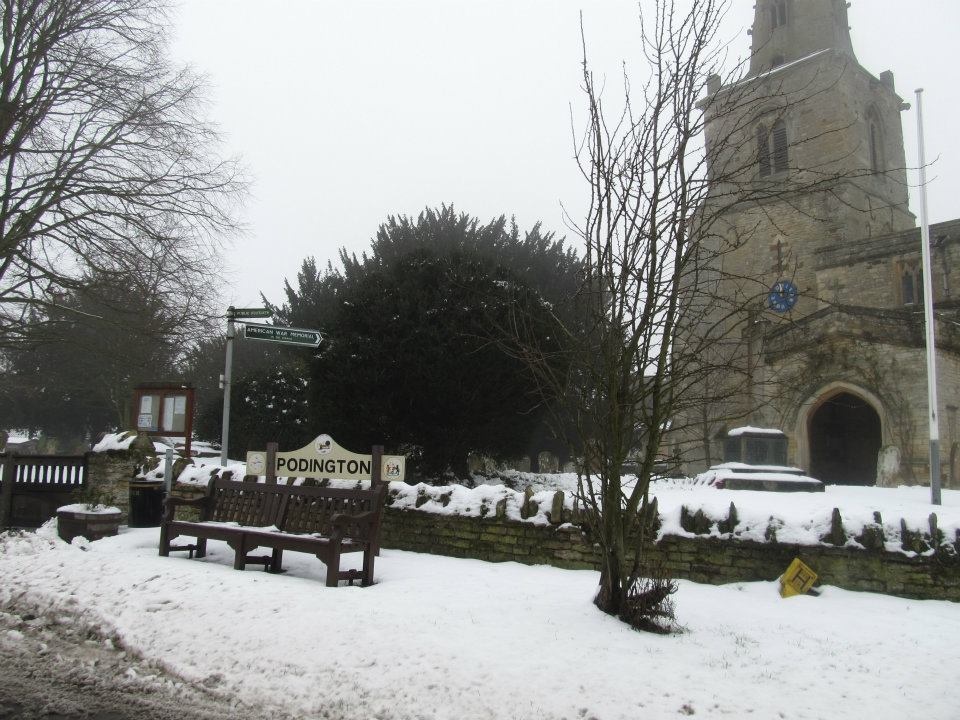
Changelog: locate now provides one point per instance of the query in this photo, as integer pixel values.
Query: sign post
(253, 331)
(227, 381)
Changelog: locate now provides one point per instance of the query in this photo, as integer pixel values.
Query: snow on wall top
(98, 509)
(746, 467)
(480, 501)
(747, 429)
(795, 518)
(123, 441)
(115, 441)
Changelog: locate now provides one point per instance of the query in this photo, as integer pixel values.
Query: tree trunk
(609, 597)
(614, 577)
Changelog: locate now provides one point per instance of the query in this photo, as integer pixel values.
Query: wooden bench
(322, 521)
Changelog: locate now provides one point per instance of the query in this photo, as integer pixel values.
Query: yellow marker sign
(797, 580)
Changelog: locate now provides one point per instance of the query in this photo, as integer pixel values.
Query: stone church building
(826, 262)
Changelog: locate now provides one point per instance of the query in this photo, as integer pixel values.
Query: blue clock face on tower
(783, 296)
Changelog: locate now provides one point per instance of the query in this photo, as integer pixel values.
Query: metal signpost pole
(227, 379)
(928, 315)
(168, 472)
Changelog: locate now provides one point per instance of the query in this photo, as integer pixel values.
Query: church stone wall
(869, 272)
(891, 378)
(873, 283)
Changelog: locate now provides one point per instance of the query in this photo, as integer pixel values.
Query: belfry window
(778, 14)
(875, 140)
(763, 151)
(779, 142)
(773, 149)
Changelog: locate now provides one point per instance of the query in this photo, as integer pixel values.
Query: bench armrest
(171, 504)
(359, 526)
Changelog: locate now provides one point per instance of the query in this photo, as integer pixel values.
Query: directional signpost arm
(285, 335)
(251, 312)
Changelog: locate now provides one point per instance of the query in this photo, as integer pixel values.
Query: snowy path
(439, 638)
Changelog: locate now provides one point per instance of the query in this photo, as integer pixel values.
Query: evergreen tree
(71, 375)
(412, 354)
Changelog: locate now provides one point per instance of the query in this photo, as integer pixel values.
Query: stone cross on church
(778, 266)
(842, 370)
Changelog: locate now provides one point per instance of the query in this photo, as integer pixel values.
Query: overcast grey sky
(347, 112)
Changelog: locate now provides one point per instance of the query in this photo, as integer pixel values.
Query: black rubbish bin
(146, 504)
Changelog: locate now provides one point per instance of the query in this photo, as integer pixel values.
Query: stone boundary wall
(110, 473)
(935, 575)
(916, 565)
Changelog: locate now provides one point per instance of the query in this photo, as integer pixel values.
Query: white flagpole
(928, 315)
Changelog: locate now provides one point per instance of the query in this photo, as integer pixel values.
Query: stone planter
(93, 524)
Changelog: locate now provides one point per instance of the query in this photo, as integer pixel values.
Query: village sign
(323, 458)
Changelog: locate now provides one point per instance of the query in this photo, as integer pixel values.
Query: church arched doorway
(845, 437)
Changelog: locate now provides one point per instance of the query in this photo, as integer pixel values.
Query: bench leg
(164, 541)
(276, 561)
(368, 558)
(333, 565)
(239, 552)
(201, 547)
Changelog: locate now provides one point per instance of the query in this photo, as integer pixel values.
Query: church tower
(805, 116)
(806, 156)
(787, 30)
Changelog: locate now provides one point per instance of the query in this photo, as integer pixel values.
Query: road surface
(62, 671)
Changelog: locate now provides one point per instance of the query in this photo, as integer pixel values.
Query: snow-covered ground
(440, 638)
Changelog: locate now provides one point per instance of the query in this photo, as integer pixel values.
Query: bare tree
(662, 318)
(107, 165)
